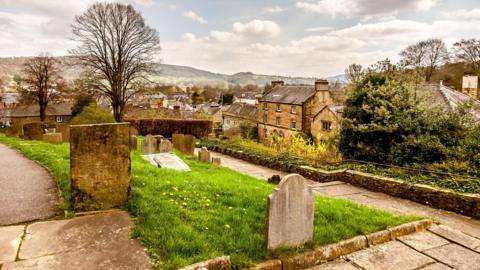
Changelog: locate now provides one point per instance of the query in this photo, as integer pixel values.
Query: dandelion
(227, 226)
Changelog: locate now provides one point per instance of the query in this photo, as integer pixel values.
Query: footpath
(34, 236)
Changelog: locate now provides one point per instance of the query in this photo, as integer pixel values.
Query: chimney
(321, 85)
(275, 83)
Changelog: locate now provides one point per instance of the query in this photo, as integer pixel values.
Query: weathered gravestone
(204, 155)
(34, 131)
(55, 138)
(100, 165)
(165, 146)
(216, 161)
(149, 145)
(290, 213)
(184, 143)
(133, 142)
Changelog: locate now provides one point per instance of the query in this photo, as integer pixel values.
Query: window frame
(293, 109)
(278, 107)
(278, 121)
(293, 124)
(326, 125)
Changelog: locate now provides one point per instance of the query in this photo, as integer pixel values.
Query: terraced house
(286, 109)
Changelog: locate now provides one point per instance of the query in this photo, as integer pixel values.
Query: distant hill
(169, 74)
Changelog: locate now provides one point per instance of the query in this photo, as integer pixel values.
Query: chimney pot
(321, 85)
(276, 83)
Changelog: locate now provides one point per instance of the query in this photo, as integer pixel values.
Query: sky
(317, 38)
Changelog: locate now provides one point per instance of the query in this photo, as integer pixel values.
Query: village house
(470, 86)
(56, 112)
(309, 109)
(237, 114)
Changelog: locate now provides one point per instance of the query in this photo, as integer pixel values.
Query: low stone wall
(221, 263)
(463, 203)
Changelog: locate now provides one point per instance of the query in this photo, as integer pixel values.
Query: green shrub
(93, 115)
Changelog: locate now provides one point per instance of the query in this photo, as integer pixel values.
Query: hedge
(167, 127)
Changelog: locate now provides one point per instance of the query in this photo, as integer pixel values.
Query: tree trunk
(43, 108)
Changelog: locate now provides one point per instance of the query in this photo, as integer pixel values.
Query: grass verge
(183, 218)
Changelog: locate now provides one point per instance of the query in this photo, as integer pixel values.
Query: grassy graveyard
(183, 218)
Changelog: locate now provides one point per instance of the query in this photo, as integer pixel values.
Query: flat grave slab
(167, 161)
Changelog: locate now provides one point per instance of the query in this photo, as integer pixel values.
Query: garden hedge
(167, 127)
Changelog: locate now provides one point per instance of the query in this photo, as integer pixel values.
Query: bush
(93, 115)
(167, 127)
(34, 131)
(249, 131)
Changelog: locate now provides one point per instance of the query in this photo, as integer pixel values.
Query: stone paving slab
(456, 256)
(10, 238)
(392, 255)
(27, 191)
(100, 241)
(423, 240)
(456, 236)
(436, 266)
(335, 265)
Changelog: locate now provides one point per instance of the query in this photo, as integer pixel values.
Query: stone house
(287, 108)
(326, 121)
(56, 112)
(237, 114)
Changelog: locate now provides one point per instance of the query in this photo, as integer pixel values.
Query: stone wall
(463, 203)
(100, 165)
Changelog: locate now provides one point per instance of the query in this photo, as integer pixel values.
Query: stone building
(56, 112)
(326, 121)
(470, 86)
(237, 114)
(287, 108)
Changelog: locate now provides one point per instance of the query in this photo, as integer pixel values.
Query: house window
(264, 133)
(278, 121)
(293, 124)
(265, 106)
(326, 125)
(59, 118)
(279, 108)
(265, 118)
(294, 109)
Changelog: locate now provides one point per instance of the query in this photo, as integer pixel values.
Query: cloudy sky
(286, 37)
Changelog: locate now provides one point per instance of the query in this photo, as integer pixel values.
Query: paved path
(100, 241)
(438, 248)
(27, 191)
(374, 199)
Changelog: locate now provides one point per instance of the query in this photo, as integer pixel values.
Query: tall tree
(468, 50)
(426, 56)
(42, 81)
(117, 48)
(354, 73)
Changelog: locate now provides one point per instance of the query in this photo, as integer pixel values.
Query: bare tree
(41, 81)
(425, 56)
(354, 73)
(468, 50)
(117, 48)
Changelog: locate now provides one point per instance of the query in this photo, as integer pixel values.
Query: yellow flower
(227, 226)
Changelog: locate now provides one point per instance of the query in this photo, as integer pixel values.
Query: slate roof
(289, 94)
(34, 110)
(242, 110)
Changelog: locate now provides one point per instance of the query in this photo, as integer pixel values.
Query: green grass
(183, 218)
(56, 158)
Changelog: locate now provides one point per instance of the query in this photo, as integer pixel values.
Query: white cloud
(319, 29)
(274, 9)
(257, 28)
(147, 3)
(190, 14)
(364, 8)
(172, 6)
(472, 14)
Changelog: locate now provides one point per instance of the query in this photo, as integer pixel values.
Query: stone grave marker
(165, 146)
(189, 144)
(133, 142)
(290, 213)
(178, 141)
(100, 165)
(204, 155)
(55, 138)
(217, 161)
(149, 145)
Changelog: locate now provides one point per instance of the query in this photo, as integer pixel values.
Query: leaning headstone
(55, 138)
(149, 145)
(204, 155)
(65, 130)
(189, 144)
(100, 165)
(133, 142)
(165, 146)
(290, 213)
(216, 160)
